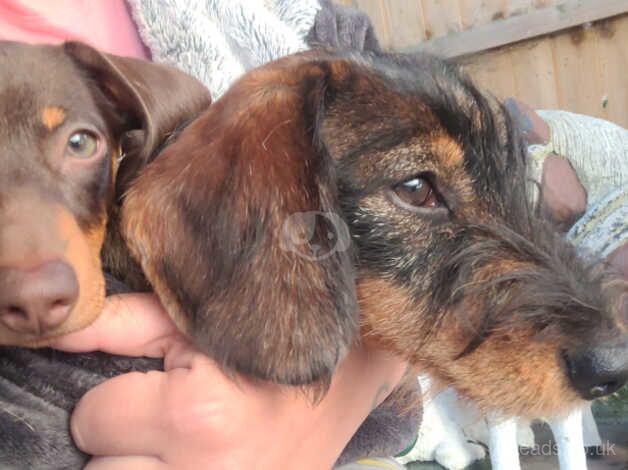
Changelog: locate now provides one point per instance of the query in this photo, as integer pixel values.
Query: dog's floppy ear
(237, 225)
(153, 99)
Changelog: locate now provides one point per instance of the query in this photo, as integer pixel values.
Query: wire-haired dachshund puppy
(321, 199)
(320, 186)
(75, 126)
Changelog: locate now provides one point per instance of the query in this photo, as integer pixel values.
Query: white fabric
(218, 40)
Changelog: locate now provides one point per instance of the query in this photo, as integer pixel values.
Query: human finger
(130, 325)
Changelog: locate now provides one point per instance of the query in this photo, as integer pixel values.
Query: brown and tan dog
(322, 185)
(66, 115)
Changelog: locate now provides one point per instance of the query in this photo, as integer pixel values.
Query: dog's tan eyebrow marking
(52, 117)
(448, 151)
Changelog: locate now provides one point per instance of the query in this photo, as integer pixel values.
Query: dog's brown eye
(82, 144)
(417, 192)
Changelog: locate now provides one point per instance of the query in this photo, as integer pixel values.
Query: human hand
(195, 415)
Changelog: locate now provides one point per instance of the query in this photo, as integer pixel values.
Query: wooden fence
(564, 54)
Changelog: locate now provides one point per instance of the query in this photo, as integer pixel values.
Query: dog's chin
(500, 395)
(9, 338)
(28, 340)
(32, 340)
(545, 403)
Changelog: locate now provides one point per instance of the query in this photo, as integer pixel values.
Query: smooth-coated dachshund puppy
(328, 194)
(76, 125)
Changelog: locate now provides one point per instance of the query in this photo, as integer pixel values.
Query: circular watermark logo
(315, 235)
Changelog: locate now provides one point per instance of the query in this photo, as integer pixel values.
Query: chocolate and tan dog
(75, 126)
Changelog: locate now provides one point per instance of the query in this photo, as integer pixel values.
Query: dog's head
(66, 115)
(318, 180)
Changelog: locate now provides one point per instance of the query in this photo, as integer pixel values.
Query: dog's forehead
(40, 87)
(43, 97)
(399, 117)
(392, 115)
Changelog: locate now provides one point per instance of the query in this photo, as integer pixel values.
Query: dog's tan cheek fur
(383, 308)
(82, 252)
(513, 374)
(512, 371)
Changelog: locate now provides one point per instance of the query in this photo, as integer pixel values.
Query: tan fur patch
(509, 371)
(340, 70)
(52, 117)
(382, 307)
(83, 253)
(63, 239)
(115, 164)
(449, 153)
(515, 375)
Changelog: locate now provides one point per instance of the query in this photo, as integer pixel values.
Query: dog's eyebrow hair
(52, 117)
(381, 141)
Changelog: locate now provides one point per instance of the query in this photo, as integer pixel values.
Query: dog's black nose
(37, 300)
(599, 371)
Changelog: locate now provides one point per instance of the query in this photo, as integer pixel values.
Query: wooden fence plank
(442, 17)
(406, 24)
(580, 87)
(478, 12)
(534, 74)
(518, 7)
(612, 56)
(493, 73)
(586, 66)
(526, 26)
(376, 12)
(545, 3)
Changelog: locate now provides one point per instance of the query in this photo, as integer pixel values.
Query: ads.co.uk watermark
(315, 235)
(546, 449)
